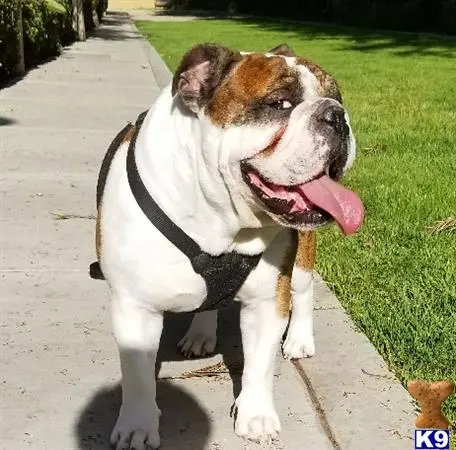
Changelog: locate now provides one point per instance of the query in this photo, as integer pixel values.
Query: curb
(162, 74)
(160, 70)
(363, 403)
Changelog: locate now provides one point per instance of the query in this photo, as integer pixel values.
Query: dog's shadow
(184, 423)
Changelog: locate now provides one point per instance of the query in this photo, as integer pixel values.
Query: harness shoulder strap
(151, 209)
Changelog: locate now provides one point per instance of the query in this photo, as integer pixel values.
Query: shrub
(46, 26)
(43, 25)
(8, 37)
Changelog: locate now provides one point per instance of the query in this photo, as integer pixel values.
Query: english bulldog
(243, 153)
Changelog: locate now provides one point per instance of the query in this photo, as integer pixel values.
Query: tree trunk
(78, 20)
(19, 68)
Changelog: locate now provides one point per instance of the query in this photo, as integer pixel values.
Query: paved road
(59, 369)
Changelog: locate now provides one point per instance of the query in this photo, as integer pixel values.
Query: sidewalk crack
(317, 405)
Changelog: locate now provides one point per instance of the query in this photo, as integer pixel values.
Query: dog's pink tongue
(344, 205)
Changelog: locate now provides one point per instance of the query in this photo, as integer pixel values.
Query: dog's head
(275, 126)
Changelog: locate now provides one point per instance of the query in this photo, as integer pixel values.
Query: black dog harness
(224, 274)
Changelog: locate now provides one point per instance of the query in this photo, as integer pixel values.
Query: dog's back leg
(299, 342)
(137, 331)
(201, 336)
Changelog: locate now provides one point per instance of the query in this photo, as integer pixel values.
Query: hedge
(47, 25)
(43, 24)
(8, 41)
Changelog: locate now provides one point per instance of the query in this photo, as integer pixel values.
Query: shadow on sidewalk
(111, 29)
(4, 121)
(184, 423)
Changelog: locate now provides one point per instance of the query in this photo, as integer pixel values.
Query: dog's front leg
(137, 330)
(262, 328)
(299, 342)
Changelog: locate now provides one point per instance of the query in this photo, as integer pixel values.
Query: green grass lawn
(396, 279)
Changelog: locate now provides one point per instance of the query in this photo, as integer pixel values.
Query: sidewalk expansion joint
(317, 405)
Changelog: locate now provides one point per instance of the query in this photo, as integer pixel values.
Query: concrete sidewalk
(59, 369)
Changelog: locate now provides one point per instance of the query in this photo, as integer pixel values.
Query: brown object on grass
(430, 396)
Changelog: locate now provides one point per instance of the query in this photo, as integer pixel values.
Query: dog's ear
(201, 70)
(328, 84)
(331, 88)
(282, 50)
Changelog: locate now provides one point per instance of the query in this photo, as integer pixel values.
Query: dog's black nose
(333, 115)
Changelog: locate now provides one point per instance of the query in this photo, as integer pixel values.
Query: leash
(224, 274)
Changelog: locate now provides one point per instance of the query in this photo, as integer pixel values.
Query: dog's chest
(138, 256)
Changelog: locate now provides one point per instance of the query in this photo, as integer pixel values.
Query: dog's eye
(280, 105)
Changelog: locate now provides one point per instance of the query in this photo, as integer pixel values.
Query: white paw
(136, 428)
(256, 418)
(298, 344)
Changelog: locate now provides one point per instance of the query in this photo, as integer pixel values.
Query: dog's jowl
(213, 196)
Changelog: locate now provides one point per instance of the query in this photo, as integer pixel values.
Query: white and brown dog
(242, 152)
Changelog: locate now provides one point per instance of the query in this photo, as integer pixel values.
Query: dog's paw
(201, 337)
(256, 418)
(298, 344)
(197, 343)
(137, 428)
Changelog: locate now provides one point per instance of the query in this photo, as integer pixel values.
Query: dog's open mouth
(312, 203)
